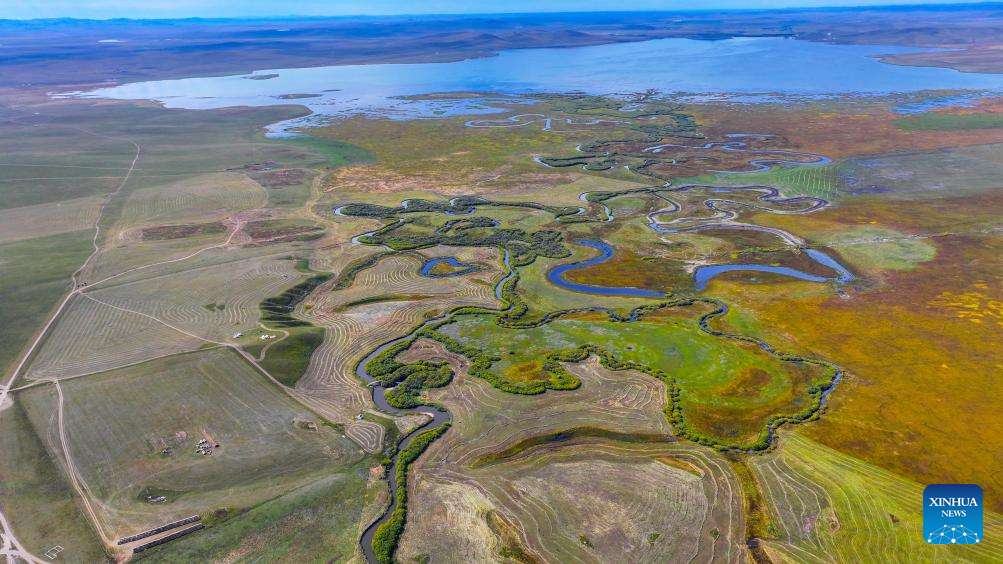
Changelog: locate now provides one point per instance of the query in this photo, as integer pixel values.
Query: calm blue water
(925, 105)
(704, 274)
(759, 68)
(426, 269)
(556, 276)
(842, 274)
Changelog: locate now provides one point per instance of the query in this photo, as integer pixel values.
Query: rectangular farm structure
(160, 529)
(167, 538)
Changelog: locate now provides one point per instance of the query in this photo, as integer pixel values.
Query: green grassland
(56, 162)
(822, 181)
(324, 155)
(316, 522)
(264, 452)
(36, 273)
(335, 153)
(37, 498)
(728, 390)
(878, 249)
(288, 359)
(99, 144)
(49, 160)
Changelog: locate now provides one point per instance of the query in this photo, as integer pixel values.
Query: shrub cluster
(277, 310)
(457, 206)
(347, 276)
(387, 536)
(523, 246)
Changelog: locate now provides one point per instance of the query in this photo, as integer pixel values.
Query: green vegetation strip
(388, 535)
(462, 232)
(347, 276)
(335, 153)
(758, 524)
(278, 310)
(288, 359)
(380, 299)
(564, 436)
(461, 205)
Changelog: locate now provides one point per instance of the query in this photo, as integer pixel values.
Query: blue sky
(257, 8)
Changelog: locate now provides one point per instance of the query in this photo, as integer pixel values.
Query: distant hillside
(72, 52)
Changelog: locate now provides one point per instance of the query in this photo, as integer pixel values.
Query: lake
(754, 69)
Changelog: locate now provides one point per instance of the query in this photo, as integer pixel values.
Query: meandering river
(463, 268)
(556, 275)
(438, 418)
(703, 274)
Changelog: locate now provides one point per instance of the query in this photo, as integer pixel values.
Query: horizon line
(931, 6)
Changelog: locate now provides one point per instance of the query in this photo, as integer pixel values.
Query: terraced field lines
(193, 199)
(90, 339)
(330, 384)
(28, 222)
(489, 421)
(832, 507)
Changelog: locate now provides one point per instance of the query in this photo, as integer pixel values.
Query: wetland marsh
(444, 309)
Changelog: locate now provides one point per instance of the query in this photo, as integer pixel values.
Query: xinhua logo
(952, 514)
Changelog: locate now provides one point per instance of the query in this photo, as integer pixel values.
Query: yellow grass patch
(28, 222)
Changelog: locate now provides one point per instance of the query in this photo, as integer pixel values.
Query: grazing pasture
(317, 520)
(37, 495)
(41, 220)
(192, 198)
(36, 273)
(94, 336)
(154, 413)
(62, 156)
(134, 320)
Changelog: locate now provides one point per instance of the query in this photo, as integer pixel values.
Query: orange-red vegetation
(861, 130)
(922, 357)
